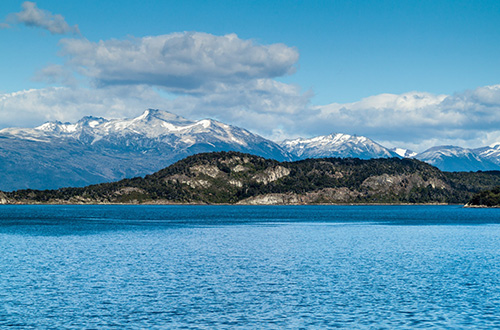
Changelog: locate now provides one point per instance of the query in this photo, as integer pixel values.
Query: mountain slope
(95, 150)
(452, 159)
(490, 153)
(405, 153)
(337, 145)
(231, 177)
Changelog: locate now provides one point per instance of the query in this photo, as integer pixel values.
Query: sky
(410, 74)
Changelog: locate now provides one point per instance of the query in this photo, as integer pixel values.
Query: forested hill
(231, 177)
(487, 198)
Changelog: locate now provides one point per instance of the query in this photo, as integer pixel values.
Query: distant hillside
(232, 177)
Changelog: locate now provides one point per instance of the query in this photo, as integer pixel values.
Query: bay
(249, 267)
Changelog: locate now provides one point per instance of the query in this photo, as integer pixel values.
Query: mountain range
(95, 150)
(336, 145)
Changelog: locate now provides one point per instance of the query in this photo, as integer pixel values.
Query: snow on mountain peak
(495, 145)
(91, 121)
(151, 123)
(337, 145)
(155, 114)
(405, 153)
(453, 158)
(150, 128)
(57, 127)
(49, 126)
(205, 123)
(491, 153)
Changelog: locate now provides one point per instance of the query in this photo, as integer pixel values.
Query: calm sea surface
(243, 267)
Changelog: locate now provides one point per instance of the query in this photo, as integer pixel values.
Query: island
(239, 178)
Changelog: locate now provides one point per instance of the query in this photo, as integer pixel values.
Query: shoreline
(481, 206)
(249, 204)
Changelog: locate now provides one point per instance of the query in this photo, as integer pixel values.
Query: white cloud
(33, 16)
(33, 107)
(189, 62)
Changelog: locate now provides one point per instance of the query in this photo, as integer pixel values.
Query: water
(243, 267)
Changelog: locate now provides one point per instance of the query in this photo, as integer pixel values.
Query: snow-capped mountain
(337, 145)
(152, 129)
(491, 153)
(405, 153)
(454, 159)
(95, 150)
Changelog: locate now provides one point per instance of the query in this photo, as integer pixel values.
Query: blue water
(243, 267)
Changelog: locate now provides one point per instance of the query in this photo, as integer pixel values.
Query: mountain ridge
(456, 159)
(95, 150)
(337, 145)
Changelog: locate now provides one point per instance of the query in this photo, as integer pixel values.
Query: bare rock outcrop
(209, 170)
(397, 184)
(272, 174)
(3, 198)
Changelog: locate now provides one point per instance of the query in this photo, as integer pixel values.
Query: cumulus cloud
(189, 62)
(33, 16)
(33, 107)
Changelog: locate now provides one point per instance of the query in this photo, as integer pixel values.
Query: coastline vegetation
(489, 198)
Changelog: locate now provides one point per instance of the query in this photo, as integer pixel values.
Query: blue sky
(405, 73)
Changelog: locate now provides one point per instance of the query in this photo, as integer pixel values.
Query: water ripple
(73, 274)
